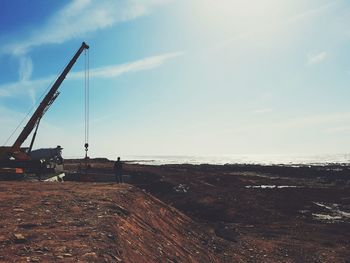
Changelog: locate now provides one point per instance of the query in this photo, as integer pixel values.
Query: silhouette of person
(118, 171)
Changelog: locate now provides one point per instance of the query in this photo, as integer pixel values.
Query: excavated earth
(179, 213)
(87, 222)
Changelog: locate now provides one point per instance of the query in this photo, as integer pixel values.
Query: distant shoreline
(244, 159)
(295, 165)
(182, 160)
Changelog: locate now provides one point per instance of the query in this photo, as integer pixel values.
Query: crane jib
(47, 100)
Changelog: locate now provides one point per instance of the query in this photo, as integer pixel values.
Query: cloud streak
(263, 28)
(25, 73)
(81, 17)
(262, 111)
(112, 71)
(75, 20)
(139, 65)
(25, 68)
(316, 58)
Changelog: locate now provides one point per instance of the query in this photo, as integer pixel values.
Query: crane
(17, 157)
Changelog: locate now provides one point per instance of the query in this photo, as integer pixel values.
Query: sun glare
(239, 15)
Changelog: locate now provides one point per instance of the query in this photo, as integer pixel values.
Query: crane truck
(16, 160)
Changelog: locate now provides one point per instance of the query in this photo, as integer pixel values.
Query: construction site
(73, 210)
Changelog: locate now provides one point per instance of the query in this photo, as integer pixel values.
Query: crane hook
(86, 149)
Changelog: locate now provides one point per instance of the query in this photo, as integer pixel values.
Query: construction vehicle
(18, 160)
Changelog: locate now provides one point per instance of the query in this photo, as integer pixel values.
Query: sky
(180, 77)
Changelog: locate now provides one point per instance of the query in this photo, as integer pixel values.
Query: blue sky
(181, 77)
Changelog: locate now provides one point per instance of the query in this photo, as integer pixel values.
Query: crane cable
(87, 99)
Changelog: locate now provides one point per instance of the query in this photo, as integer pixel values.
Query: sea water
(322, 159)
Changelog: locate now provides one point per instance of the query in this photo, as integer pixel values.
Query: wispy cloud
(80, 17)
(316, 58)
(139, 65)
(21, 87)
(262, 111)
(25, 68)
(314, 11)
(25, 73)
(263, 28)
(77, 19)
(112, 71)
(26, 86)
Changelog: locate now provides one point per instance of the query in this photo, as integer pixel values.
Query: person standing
(118, 171)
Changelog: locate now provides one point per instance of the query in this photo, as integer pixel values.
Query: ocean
(322, 159)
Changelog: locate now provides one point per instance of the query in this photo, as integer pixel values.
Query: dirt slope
(89, 222)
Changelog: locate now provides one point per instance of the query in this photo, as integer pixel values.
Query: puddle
(272, 186)
(323, 217)
(181, 188)
(335, 213)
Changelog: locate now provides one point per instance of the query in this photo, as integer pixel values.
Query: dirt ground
(179, 213)
(87, 222)
(309, 221)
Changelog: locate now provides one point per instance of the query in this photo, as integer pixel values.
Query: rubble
(19, 238)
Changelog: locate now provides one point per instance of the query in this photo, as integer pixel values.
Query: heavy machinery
(20, 160)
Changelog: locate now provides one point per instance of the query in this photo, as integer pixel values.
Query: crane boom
(47, 100)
